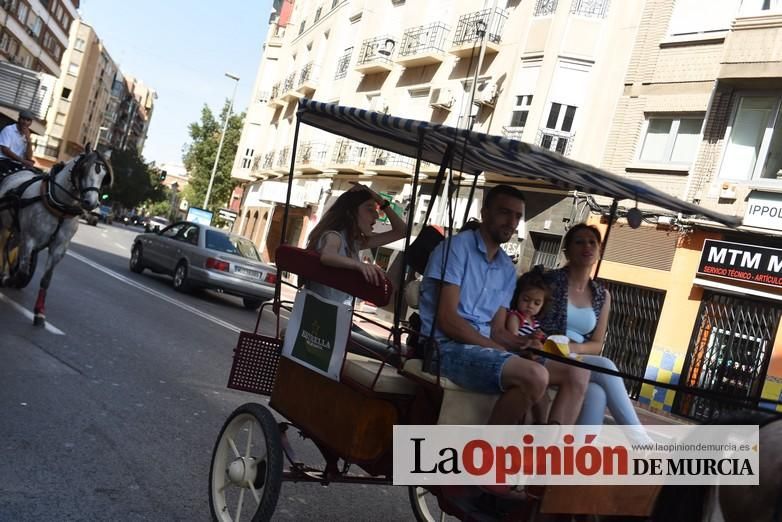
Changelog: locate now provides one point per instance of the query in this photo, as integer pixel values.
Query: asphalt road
(111, 413)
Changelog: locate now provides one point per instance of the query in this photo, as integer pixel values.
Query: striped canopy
(474, 153)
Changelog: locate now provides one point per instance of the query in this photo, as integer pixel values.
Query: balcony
(512, 133)
(275, 100)
(384, 162)
(376, 55)
(343, 64)
(753, 48)
(22, 89)
(350, 156)
(472, 26)
(268, 161)
(289, 92)
(283, 160)
(424, 45)
(556, 141)
(308, 79)
(312, 157)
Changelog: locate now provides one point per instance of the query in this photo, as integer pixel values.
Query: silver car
(199, 256)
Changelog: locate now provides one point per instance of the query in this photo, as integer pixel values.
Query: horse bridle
(76, 179)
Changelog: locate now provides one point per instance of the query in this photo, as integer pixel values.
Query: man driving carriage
(469, 310)
(15, 144)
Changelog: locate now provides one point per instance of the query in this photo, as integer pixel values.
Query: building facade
(700, 118)
(549, 72)
(93, 103)
(33, 38)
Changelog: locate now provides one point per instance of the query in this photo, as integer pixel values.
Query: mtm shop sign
(740, 262)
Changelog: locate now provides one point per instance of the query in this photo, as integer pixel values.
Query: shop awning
(474, 153)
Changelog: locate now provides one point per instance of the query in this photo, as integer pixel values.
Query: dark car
(199, 256)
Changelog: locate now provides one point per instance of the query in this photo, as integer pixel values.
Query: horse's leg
(56, 253)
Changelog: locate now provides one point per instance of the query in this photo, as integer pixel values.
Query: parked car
(199, 256)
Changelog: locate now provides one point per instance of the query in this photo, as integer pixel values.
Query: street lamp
(222, 137)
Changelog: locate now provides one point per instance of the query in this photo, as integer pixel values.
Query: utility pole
(222, 138)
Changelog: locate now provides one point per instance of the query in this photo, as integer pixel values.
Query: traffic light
(163, 174)
(104, 197)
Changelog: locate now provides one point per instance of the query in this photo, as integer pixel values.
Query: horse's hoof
(39, 320)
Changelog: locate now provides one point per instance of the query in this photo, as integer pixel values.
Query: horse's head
(89, 174)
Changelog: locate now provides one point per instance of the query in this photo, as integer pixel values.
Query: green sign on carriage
(317, 333)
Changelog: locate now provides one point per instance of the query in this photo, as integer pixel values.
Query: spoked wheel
(246, 474)
(425, 506)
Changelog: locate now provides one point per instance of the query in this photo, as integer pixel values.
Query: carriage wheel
(246, 473)
(425, 506)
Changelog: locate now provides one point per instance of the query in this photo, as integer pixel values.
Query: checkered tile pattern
(772, 390)
(664, 366)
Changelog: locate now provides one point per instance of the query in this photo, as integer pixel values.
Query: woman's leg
(572, 383)
(619, 404)
(594, 408)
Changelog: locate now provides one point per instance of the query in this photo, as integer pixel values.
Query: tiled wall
(664, 366)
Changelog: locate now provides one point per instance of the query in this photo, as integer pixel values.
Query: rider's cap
(27, 115)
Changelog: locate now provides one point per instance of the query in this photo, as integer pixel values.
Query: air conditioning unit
(378, 104)
(441, 98)
(487, 95)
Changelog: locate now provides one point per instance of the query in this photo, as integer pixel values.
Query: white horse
(40, 211)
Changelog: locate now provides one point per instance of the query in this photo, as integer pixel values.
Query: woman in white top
(345, 229)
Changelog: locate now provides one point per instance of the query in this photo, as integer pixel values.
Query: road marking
(157, 294)
(27, 313)
(121, 247)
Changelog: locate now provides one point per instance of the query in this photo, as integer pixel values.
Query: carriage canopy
(474, 153)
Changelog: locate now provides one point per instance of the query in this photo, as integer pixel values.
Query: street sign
(228, 215)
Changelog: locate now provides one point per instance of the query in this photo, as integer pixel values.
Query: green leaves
(134, 180)
(200, 155)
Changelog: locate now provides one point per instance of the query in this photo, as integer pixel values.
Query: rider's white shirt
(14, 140)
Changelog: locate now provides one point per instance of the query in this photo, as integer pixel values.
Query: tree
(200, 155)
(134, 180)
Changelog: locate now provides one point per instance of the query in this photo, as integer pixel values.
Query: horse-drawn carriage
(350, 416)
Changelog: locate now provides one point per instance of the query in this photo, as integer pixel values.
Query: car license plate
(248, 272)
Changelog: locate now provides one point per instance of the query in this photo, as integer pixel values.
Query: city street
(111, 413)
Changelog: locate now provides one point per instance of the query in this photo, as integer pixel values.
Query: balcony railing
(379, 50)
(391, 160)
(424, 38)
(348, 152)
(283, 157)
(312, 153)
(290, 80)
(343, 63)
(512, 133)
(596, 8)
(472, 25)
(50, 151)
(555, 140)
(268, 161)
(308, 76)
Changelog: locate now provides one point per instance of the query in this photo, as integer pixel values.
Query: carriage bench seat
(363, 371)
(459, 405)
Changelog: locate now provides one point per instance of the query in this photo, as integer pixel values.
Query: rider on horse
(15, 142)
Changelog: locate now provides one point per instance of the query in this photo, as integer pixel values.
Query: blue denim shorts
(472, 367)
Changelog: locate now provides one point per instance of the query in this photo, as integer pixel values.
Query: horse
(41, 211)
(761, 503)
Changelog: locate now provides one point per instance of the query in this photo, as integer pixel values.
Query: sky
(181, 49)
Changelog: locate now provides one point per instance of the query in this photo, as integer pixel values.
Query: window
(35, 25)
(753, 147)
(689, 16)
(79, 45)
(66, 93)
(317, 14)
(73, 69)
(558, 132)
(21, 12)
(248, 158)
(546, 250)
(671, 140)
(760, 7)
(520, 112)
(302, 26)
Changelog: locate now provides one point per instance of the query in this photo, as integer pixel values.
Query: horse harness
(14, 201)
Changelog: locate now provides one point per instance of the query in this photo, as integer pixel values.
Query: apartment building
(551, 72)
(93, 103)
(701, 118)
(33, 38)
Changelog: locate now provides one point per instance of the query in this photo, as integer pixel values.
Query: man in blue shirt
(478, 279)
